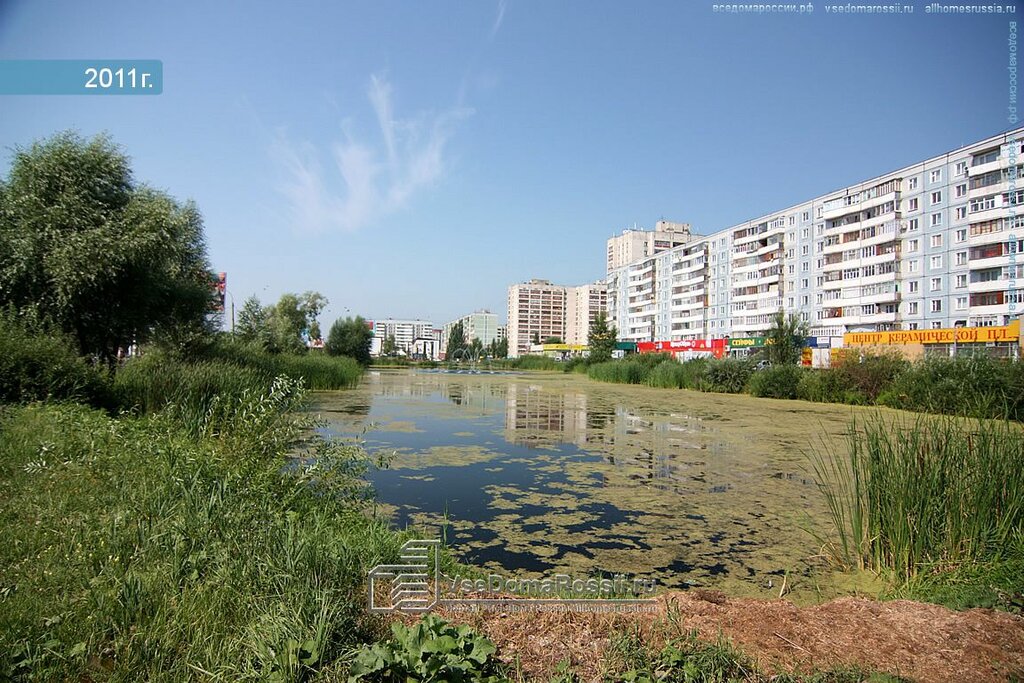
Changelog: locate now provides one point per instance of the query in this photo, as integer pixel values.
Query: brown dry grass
(918, 641)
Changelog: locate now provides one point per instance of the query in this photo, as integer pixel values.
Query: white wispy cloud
(364, 179)
(502, 4)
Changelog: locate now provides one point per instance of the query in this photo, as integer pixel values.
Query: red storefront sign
(712, 346)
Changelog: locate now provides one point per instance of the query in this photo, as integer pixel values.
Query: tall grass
(137, 549)
(935, 490)
(975, 385)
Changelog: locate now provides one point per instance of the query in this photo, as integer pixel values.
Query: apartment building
(582, 306)
(536, 310)
(405, 332)
(937, 244)
(482, 325)
(635, 243)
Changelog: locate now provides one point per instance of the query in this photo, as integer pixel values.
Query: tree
(456, 340)
(253, 323)
(287, 322)
(312, 304)
(388, 347)
(350, 337)
(601, 339)
(476, 348)
(536, 338)
(107, 261)
(784, 341)
(553, 340)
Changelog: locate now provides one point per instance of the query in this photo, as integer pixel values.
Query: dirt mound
(918, 641)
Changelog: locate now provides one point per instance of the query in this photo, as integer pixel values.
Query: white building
(937, 244)
(405, 332)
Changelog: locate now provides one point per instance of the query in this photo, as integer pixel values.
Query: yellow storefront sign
(565, 347)
(955, 335)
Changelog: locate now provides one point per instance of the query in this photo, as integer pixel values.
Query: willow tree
(87, 250)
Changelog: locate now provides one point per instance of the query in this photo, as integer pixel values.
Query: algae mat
(546, 473)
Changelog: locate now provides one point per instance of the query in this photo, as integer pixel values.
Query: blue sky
(414, 158)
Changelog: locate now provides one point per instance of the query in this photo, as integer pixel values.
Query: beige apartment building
(582, 304)
(539, 309)
(634, 244)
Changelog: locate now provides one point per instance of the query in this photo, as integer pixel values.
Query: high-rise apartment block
(582, 306)
(937, 244)
(538, 310)
(635, 244)
(482, 325)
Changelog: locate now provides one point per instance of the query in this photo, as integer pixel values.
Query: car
(762, 364)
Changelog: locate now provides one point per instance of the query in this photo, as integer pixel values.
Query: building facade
(938, 244)
(582, 306)
(536, 310)
(405, 332)
(482, 325)
(634, 244)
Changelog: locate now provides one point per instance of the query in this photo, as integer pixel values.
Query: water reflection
(540, 473)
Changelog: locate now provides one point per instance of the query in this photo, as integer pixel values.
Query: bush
(42, 366)
(777, 381)
(625, 371)
(975, 385)
(727, 376)
(871, 374)
(531, 362)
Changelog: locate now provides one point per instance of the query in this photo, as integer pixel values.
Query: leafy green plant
(430, 650)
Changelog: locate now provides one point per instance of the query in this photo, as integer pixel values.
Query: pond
(543, 473)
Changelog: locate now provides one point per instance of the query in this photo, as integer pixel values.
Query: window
(961, 235)
(913, 286)
(961, 303)
(912, 308)
(912, 266)
(982, 204)
(936, 262)
(935, 284)
(961, 213)
(912, 205)
(936, 241)
(912, 225)
(936, 305)
(804, 250)
(961, 190)
(936, 219)
(961, 258)
(961, 281)
(807, 215)
(961, 168)
(912, 245)
(805, 266)
(935, 175)
(805, 233)
(912, 183)
(805, 300)
(936, 196)
(804, 284)
(911, 326)
(936, 324)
